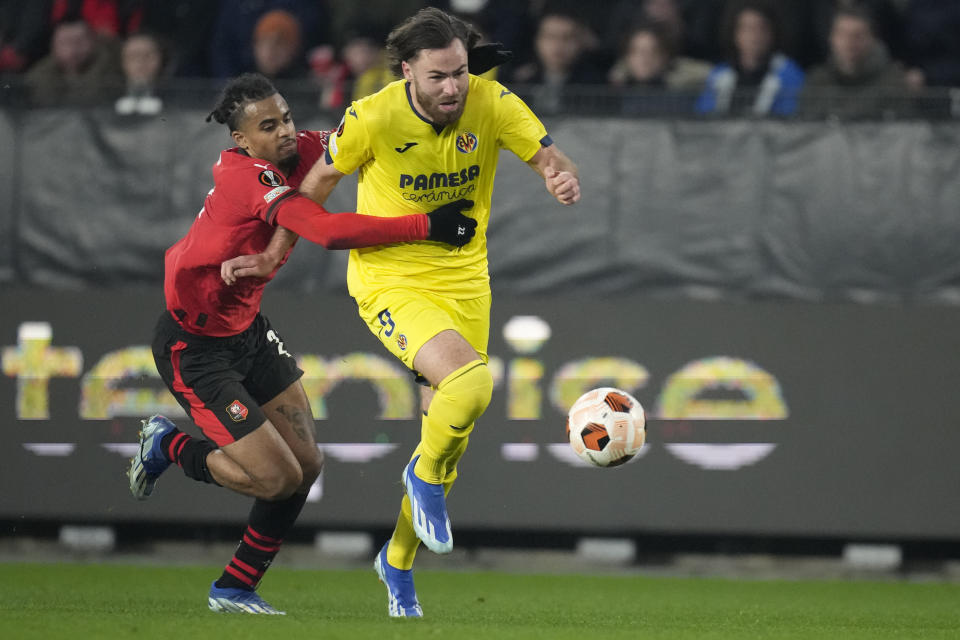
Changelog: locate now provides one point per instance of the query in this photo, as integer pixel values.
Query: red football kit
(249, 199)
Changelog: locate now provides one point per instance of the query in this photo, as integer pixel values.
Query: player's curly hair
(429, 28)
(239, 92)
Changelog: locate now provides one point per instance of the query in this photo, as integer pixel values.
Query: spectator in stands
(932, 40)
(108, 18)
(560, 61)
(26, 27)
(655, 80)
(361, 69)
(649, 50)
(80, 69)
(860, 79)
(230, 50)
(758, 78)
(277, 49)
(693, 31)
(143, 61)
(187, 23)
(816, 24)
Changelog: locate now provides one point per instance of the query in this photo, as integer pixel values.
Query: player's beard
(288, 164)
(431, 107)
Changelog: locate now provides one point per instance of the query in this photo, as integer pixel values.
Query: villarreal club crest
(466, 142)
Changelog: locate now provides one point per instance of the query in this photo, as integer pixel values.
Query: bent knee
(470, 388)
(282, 482)
(311, 467)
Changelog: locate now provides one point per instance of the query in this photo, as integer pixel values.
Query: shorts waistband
(168, 319)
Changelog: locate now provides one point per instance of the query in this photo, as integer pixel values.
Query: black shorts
(222, 382)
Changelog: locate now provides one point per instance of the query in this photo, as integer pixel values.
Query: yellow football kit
(409, 292)
(405, 165)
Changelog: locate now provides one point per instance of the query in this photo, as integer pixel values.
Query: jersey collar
(436, 127)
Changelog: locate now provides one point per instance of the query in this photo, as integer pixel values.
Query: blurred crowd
(739, 57)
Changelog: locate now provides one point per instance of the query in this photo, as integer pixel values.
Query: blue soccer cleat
(149, 463)
(224, 600)
(401, 596)
(429, 511)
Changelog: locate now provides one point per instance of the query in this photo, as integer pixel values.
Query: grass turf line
(79, 601)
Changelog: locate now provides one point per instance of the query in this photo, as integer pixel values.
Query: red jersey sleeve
(258, 187)
(348, 230)
(341, 230)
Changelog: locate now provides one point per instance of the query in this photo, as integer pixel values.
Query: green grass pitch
(79, 601)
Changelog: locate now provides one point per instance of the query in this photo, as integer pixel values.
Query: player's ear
(407, 71)
(239, 139)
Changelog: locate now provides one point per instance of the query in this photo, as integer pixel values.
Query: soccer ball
(606, 427)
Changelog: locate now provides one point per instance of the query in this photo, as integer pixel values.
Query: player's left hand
(562, 185)
(258, 265)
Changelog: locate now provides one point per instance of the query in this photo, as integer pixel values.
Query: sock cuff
(430, 469)
(172, 445)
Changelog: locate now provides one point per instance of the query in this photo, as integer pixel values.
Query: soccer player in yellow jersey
(430, 138)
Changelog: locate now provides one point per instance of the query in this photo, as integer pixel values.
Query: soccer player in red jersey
(222, 360)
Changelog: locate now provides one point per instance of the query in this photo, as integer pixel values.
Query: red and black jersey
(249, 197)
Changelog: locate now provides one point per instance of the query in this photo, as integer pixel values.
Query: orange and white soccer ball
(606, 427)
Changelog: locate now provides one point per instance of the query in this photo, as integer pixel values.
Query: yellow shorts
(405, 319)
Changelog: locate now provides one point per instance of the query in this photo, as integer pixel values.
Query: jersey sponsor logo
(505, 92)
(343, 124)
(237, 411)
(425, 181)
(402, 342)
(270, 178)
(406, 145)
(439, 187)
(466, 142)
(270, 195)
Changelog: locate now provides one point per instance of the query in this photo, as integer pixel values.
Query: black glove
(484, 57)
(448, 225)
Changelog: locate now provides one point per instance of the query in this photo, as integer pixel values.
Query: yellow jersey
(406, 165)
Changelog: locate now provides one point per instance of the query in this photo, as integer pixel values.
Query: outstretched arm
(317, 186)
(559, 173)
(446, 224)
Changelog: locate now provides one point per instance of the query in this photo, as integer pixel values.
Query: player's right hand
(448, 225)
(258, 265)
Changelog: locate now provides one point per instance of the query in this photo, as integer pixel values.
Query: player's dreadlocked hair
(242, 90)
(429, 28)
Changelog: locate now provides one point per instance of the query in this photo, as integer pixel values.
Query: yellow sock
(460, 399)
(404, 542)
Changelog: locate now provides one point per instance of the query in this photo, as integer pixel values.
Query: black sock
(269, 522)
(188, 453)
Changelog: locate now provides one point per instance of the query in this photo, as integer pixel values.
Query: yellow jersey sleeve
(520, 130)
(350, 147)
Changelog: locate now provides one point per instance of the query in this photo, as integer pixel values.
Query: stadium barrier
(737, 208)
